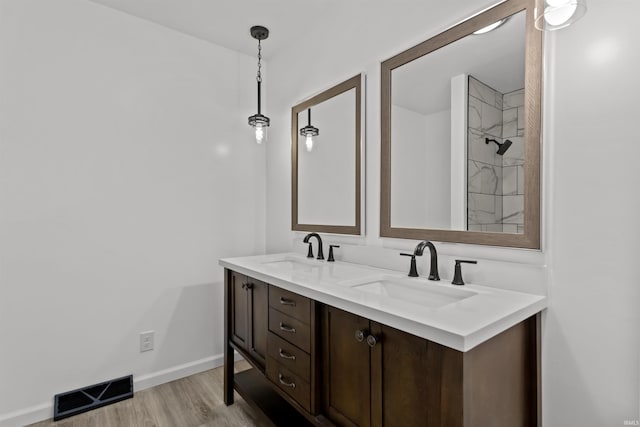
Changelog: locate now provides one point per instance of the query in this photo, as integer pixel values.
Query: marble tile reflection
(513, 209)
(495, 183)
(478, 150)
(513, 99)
(499, 101)
(484, 93)
(521, 120)
(484, 178)
(510, 228)
(515, 154)
(493, 228)
(481, 208)
(520, 179)
(510, 180)
(475, 110)
(510, 123)
(491, 121)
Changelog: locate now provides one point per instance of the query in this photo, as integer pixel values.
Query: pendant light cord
(259, 75)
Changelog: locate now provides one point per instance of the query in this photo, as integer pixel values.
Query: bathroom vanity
(353, 345)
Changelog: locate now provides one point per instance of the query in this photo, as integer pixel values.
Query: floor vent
(94, 396)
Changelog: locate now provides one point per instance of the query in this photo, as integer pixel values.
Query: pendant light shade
(552, 15)
(309, 132)
(259, 122)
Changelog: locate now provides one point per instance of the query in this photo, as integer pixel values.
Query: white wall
(591, 348)
(126, 171)
(590, 200)
(421, 165)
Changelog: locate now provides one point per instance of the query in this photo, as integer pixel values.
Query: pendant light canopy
(309, 132)
(259, 122)
(552, 15)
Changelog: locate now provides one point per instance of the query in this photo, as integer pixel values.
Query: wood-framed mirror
(326, 151)
(460, 133)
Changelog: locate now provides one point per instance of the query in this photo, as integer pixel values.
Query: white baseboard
(44, 411)
(27, 416)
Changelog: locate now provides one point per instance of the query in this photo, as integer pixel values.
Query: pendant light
(552, 15)
(309, 132)
(259, 122)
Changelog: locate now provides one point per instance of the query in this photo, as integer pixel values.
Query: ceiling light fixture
(309, 132)
(258, 121)
(552, 15)
(491, 27)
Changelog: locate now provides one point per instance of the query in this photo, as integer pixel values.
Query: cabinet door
(239, 309)
(346, 364)
(415, 382)
(258, 320)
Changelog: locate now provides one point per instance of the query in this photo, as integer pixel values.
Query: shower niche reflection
(495, 158)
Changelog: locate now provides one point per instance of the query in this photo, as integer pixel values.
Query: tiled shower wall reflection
(495, 183)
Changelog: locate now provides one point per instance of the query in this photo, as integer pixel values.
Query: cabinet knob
(372, 341)
(247, 286)
(360, 335)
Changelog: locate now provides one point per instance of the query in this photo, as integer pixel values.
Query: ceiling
(227, 22)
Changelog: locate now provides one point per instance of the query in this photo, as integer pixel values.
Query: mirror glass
(460, 160)
(326, 160)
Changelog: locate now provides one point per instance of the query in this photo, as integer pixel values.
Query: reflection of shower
(502, 148)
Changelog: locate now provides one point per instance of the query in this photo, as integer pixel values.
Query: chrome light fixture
(258, 121)
(552, 15)
(309, 132)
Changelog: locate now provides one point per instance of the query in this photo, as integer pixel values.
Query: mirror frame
(352, 83)
(532, 141)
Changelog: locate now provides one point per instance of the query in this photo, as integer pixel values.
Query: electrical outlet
(146, 341)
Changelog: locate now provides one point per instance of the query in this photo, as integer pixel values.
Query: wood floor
(189, 402)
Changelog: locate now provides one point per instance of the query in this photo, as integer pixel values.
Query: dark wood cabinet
(319, 365)
(375, 375)
(249, 315)
(346, 381)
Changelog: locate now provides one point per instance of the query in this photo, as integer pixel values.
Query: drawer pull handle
(286, 328)
(286, 301)
(372, 341)
(284, 383)
(286, 355)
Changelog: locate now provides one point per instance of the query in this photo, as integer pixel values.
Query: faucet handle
(457, 276)
(413, 270)
(331, 258)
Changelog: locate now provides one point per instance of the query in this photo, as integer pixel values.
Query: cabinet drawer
(290, 303)
(292, 330)
(290, 383)
(289, 356)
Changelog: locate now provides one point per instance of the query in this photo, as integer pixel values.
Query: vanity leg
(228, 351)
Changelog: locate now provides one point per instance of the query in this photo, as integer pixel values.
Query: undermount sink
(290, 264)
(424, 294)
(321, 270)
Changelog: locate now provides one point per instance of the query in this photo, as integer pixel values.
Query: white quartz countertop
(459, 317)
